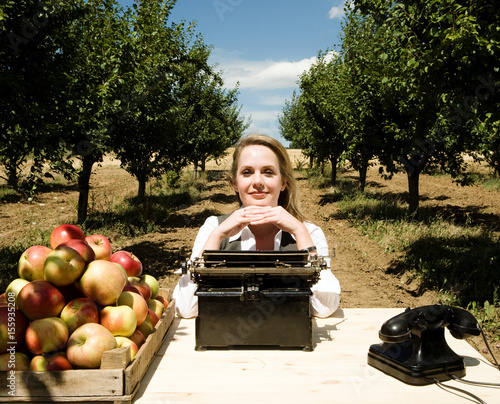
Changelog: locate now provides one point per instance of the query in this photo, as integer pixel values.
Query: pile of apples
(73, 301)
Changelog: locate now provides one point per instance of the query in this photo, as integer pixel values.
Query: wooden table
(335, 372)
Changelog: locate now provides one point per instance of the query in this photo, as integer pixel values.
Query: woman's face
(258, 179)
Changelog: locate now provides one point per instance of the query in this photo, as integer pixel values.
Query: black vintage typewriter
(254, 299)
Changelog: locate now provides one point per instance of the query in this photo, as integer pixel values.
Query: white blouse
(326, 292)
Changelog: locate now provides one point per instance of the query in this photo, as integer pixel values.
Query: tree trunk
(141, 192)
(413, 192)
(12, 177)
(333, 162)
(84, 187)
(195, 165)
(362, 175)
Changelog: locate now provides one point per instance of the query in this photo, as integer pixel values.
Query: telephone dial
(414, 348)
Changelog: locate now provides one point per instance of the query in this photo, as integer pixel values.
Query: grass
(454, 252)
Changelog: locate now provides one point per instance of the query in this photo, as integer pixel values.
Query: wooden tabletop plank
(335, 372)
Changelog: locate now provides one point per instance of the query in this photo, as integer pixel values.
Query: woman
(269, 219)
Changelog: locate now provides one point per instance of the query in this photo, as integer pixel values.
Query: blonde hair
(288, 198)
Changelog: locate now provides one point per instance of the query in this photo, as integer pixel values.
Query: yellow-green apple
(64, 233)
(101, 246)
(129, 261)
(153, 284)
(46, 335)
(136, 302)
(124, 341)
(15, 287)
(87, 344)
(83, 248)
(102, 281)
(63, 266)
(13, 326)
(30, 264)
(79, 311)
(156, 306)
(138, 338)
(50, 362)
(40, 299)
(146, 327)
(120, 320)
(14, 361)
(141, 285)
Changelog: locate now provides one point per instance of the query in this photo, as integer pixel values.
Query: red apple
(162, 300)
(103, 282)
(46, 335)
(30, 265)
(156, 306)
(136, 302)
(40, 299)
(63, 266)
(14, 288)
(83, 248)
(64, 233)
(49, 363)
(87, 344)
(3, 300)
(14, 361)
(100, 245)
(71, 291)
(124, 341)
(130, 288)
(141, 285)
(79, 311)
(138, 338)
(153, 284)
(129, 261)
(13, 326)
(153, 316)
(120, 320)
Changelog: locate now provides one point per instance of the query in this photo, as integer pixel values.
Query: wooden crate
(116, 381)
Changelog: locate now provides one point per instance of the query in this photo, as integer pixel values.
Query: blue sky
(265, 45)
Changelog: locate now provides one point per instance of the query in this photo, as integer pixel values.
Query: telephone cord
(473, 397)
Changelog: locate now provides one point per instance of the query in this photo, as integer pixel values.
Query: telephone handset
(414, 348)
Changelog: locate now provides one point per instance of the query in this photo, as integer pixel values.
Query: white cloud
(337, 11)
(267, 74)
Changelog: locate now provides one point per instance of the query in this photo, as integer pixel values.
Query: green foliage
(93, 78)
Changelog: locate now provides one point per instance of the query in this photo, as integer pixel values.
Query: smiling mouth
(258, 194)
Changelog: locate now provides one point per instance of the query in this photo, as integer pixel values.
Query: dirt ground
(359, 263)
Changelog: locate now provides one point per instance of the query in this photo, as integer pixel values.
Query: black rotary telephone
(414, 349)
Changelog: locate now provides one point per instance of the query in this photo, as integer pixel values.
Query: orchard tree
(295, 127)
(147, 144)
(208, 118)
(363, 91)
(93, 51)
(31, 84)
(321, 97)
(442, 86)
